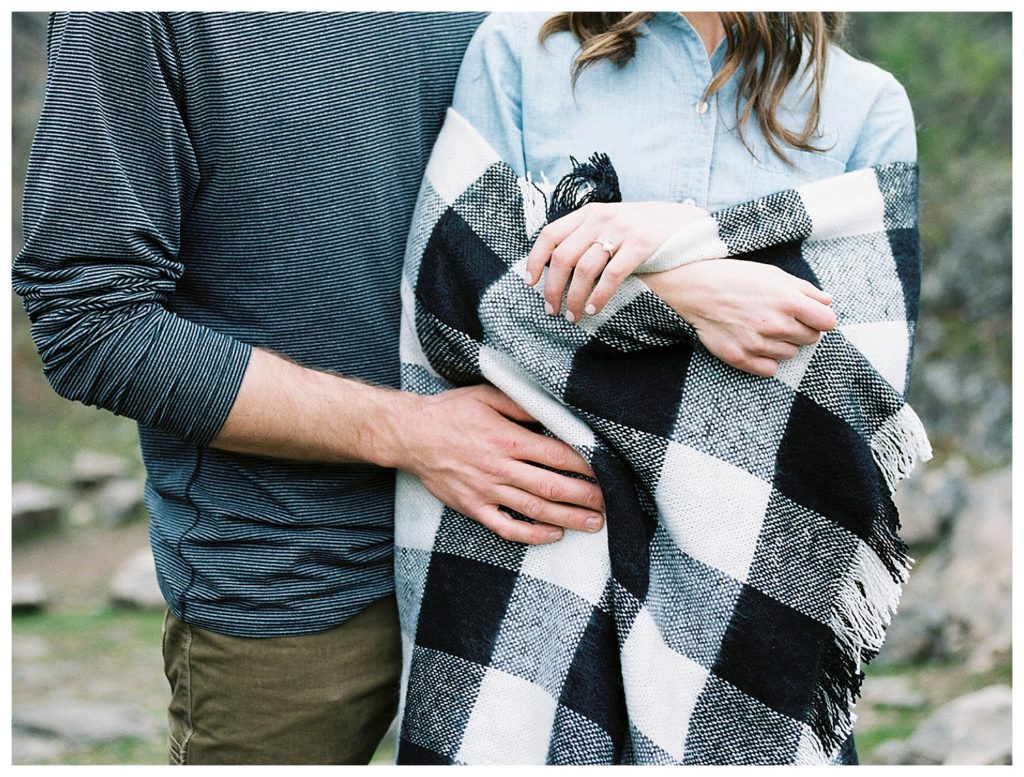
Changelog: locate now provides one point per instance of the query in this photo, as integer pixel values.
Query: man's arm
(464, 444)
(112, 172)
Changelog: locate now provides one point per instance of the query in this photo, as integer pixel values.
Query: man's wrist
(390, 425)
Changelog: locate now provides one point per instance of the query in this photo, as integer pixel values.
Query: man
(215, 219)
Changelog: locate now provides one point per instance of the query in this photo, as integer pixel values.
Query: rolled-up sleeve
(111, 175)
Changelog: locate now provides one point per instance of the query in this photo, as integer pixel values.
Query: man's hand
(467, 449)
(465, 445)
(749, 315)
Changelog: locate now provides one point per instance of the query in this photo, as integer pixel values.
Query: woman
(750, 561)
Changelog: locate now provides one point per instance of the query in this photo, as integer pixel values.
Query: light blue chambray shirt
(648, 116)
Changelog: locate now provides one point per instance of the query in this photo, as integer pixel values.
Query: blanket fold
(751, 559)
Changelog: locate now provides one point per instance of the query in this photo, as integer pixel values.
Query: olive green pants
(325, 698)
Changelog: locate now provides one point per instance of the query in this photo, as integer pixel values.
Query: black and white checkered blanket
(750, 561)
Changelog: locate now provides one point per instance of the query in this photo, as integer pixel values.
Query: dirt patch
(76, 566)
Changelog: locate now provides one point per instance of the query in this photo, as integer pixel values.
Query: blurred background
(87, 681)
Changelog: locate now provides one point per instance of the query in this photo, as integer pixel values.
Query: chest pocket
(769, 174)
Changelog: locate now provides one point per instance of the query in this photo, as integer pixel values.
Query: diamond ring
(607, 245)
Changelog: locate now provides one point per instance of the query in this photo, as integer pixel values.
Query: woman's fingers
(622, 265)
(591, 251)
(565, 260)
(549, 239)
(812, 312)
(778, 350)
(812, 291)
(593, 263)
(790, 330)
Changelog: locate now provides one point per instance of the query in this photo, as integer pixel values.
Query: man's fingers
(549, 452)
(550, 513)
(792, 331)
(514, 530)
(500, 402)
(553, 487)
(761, 365)
(801, 334)
(524, 445)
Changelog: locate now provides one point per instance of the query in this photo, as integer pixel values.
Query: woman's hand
(572, 245)
(749, 315)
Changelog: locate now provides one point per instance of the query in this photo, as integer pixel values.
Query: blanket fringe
(866, 602)
(899, 444)
(592, 181)
(535, 204)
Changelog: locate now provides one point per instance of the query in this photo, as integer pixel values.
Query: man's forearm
(289, 411)
(466, 445)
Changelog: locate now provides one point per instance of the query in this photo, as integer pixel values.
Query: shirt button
(702, 107)
(689, 201)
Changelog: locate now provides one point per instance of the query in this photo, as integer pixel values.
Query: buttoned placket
(694, 181)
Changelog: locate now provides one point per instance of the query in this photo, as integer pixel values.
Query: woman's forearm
(747, 314)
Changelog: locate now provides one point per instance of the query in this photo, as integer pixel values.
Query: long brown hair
(765, 49)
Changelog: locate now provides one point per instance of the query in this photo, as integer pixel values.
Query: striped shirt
(201, 184)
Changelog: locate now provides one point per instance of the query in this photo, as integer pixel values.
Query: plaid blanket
(750, 561)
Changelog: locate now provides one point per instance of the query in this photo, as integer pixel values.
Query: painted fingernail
(590, 310)
(529, 278)
(594, 522)
(548, 309)
(569, 316)
(554, 535)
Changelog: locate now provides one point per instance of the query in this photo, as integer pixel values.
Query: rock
(889, 753)
(35, 508)
(972, 730)
(930, 501)
(956, 604)
(973, 272)
(91, 468)
(28, 595)
(916, 632)
(28, 749)
(962, 373)
(977, 578)
(134, 585)
(897, 691)
(995, 651)
(119, 501)
(82, 512)
(26, 648)
(80, 722)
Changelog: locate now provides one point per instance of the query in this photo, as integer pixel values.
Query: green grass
(127, 750)
(106, 628)
(116, 645)
(940, 682)
(897, 724)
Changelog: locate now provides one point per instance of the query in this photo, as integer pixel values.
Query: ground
(88, 684)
